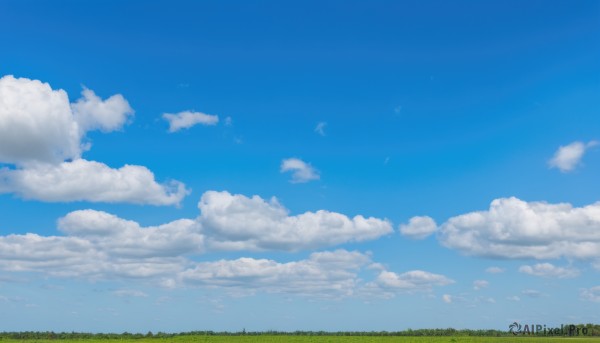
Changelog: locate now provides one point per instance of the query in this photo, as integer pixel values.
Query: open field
(306, 339)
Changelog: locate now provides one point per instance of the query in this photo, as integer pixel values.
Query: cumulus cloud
(41, 136)
(237, 222)
(323, 273)
(187, 119)
(591, 294)
(480, 284)
(82, 180)
(301, 171)
(102, 246)
(513, 228)
(36, 123)
(549, 270)
(418, 227)
(568, 157)
(320, 128)
(93, 113)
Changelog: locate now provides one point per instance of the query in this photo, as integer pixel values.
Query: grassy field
(331, 339)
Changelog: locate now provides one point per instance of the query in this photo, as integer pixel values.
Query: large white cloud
(568, 157)
(36, 123)
(90, 181)
(237, 222)
(513, 228)
(41, 136)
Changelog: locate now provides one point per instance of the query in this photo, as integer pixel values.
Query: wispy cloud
(301, 171)
(320, 128)
(568, 157)
(187, 119)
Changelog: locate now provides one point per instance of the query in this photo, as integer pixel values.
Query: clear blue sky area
(298, 165)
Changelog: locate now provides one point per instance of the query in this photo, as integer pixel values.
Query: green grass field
(331, 339)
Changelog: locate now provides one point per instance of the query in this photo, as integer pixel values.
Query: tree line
(592, 330)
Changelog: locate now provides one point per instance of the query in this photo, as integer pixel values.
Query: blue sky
(175, 166)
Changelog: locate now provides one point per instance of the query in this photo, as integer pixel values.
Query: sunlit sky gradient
(313, 165)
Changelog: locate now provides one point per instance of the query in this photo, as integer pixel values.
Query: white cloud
(36, 123)
(320, 128)
(513, 228)
(328, 274)
(237, 222)
(480, 284)
(418, 227)
(82, 180)
(568, 157)
(41, 135)
(411, 281)
(447, 298)
(187, 119)
(127, 239)
(494, 270)
(513, 298)
(591, 294)
(549, 270)
(301, 171)
(93, 113)
(102, 246)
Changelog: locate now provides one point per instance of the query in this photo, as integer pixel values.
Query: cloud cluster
(97, 245)
(42, 136)
(513, 228)
(568, 157)
(301, 171)
(187, 119)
